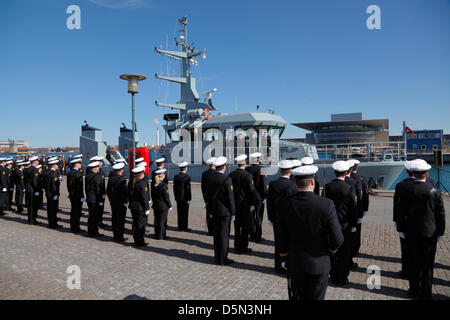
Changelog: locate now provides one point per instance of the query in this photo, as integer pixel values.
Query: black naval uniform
(345, 203)
(76, 194)
(52, 194)
(356, 184)
(101, 209)
(3, 188)
(118, 198)
(364, 207)
(94, 199)
(20, 189)
(139, 205)
(32, 187)
(10, 188)
(422, 221)
(402, 197)
(161, 205)
(182, 192)
(204, 186)
(245, 195)
(261, 187)
(278, 189)
(308, 229)
(220, 193)
(166, 179)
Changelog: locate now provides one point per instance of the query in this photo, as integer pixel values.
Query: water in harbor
(445, 176)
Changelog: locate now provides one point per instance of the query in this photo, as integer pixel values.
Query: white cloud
(121, 4)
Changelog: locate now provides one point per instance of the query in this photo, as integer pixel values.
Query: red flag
(409, 130)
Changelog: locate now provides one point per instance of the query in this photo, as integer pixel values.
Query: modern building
(424, 140)
(91, 143)
(346, 128)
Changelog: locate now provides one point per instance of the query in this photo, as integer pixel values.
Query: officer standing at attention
(309, 230)
(32, 190)
(261, 187)
(204, 186)
(220, 193)
(103, 190)
(94, 197)
(9, 167)
(307, 161)
(278, 190)
(3, 185)
(159, 165)
(76, 194)
(20, 186)
(161, 203)
(345, 203)
(402, 197)
(245, 195)
(422, 224)
(139, 204)
(52, 194)
(183, 196)
(117, 192)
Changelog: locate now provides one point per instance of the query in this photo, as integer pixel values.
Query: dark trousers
(404, 258)
(93, 219)
(257, 219)
(19, 200)
(29, 202)
(341, 261)
(10, 197)
(3, 200)
(119, 211)
(75, 214)
(209, 222)
(101, 209)
(160, 223)
(40, 200)
(356, 240)
(52, 210)
(276, 236)
(308, 286)
(139, 221)
(421, 253)
(242, 229)
(221, 239)
(183, 215)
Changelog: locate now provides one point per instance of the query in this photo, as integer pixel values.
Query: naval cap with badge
(307, 161)
(160, 160)
(78, 160)
(160, 171)
(183, 164)
(340, 166)
(240, 159)
(118, 166)
(210, 161)
(93, 164)
(138, 170)
(220, 161)
(304, 172)
(255, 155)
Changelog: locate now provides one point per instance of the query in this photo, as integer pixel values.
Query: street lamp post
(133, 88)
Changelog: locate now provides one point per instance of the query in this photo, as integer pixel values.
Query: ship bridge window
(174, 136)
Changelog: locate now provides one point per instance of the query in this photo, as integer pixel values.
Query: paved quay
(34, 260)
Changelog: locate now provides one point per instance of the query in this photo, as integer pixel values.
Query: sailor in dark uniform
(139, 203)
(183, 196)
(261, 187)
(307, 161)
(103, 185)
(245, 196)
(345, 203)
(20, 186)
(161, 203)
(364, 204)
(402, 198)
(94, 197)
(220, 193)
(159, 165)
(422, 224)
(9, 167)
(76, 194)
(52, 194)
(204, 186)
(278, 190)
(117, 192)
(3, 185)
(309, 230)
(32, 190)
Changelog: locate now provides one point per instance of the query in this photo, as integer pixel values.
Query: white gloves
(264, 201)
(59, 178)
(11, 189)
(270, 223)
(353, 230)
(147, 212)
(55, 197)
(283, 265)
(401, 235)
(233, 218)
(125, 204)
(82, 200)
(439, 238)
(36, 194)
(24, 190)
(359, 221)
(4, 190)
(364, 213)
(189, 202)
(101, 204)
(252, 208)
(210, 216)
(170, 209)
(104, 196)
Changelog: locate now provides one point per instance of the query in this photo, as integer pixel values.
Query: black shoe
(354, 265)
(102, 225)
(228, 262)
(140, 245)
(76, 231)
(413, 294)
(187, 230)
(35, 222)
(281, 271)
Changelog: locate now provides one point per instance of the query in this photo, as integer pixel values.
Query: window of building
(425, 135)
(414, 146)
(420, 135)
(432, 135)
(435, 147)
(424, 147)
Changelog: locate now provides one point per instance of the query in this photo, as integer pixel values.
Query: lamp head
(133, 80)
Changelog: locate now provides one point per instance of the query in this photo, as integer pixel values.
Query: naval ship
(197, 131)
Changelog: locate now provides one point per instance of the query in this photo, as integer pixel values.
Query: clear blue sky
(305, 59)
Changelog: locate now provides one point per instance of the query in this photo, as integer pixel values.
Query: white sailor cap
(210, 161)
(35, 158)
(78, 156)
(420, 165)
(306, 161)
(76, 161)
(285, 164)
(183, 164)
(38, 166)
(118, 166)
(160, 160)
(9, 162)
(141, 164)
(27, 163)
(96, 158)
(352, 162)
(304, 172)
(341, 166)
(2, 159)
(120, 160)
(56, 161)
(138, 160)
(220, 161)
(408, 165)
(52, 158)
(255, 155)
(93, 164)
(241, 159)
(19, 163)
(138, 169)
(296, 163)
(10, 158)
(160, 171)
